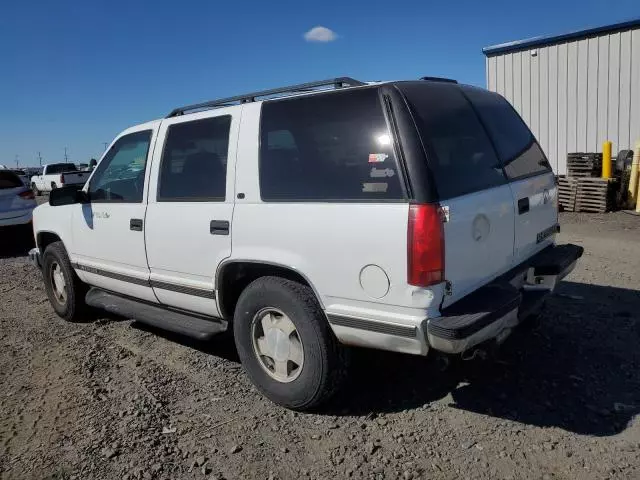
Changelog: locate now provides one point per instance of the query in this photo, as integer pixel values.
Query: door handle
(219, 227)
(523, 205)
(135, 224)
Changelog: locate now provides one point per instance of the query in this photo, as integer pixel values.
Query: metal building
(574, 90)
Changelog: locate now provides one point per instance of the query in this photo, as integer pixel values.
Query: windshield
(61, 168)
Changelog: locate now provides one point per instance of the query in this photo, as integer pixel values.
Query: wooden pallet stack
(595, 195)
(584, 164)
(582, 189)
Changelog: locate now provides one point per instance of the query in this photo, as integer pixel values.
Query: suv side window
(460, 153)
(119, 178)
(517, 147)
(327, 147)
(194, 161)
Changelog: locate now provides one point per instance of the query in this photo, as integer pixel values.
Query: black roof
(550, 39)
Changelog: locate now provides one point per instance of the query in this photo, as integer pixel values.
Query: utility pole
(17, 161)
(40, 158)
(65, 155)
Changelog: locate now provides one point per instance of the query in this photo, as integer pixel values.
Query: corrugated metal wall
(574, 95)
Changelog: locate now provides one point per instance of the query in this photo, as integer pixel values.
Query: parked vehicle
(56, 175)
(408, 216)
(16, 201)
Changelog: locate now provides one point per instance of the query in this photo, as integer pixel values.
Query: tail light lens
(61, 179)
(425, 245)
(27, 195)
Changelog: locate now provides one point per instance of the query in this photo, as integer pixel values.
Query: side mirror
(68, 196)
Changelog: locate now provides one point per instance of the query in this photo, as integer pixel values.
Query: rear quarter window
(460, 153)
(9, 180)
(327, 147)
(517, 147)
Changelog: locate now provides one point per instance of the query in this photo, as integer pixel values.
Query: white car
(58, 175)
(16, 201)
(414, 216)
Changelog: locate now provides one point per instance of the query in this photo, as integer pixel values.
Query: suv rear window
(327, 147)
(9, 180)
(517, 147)
(460, 153)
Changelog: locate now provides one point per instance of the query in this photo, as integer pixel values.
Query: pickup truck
(57, 175)
(412, 216)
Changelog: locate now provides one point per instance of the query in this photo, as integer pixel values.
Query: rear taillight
(425, 245)
(61, 179)
(27, 195)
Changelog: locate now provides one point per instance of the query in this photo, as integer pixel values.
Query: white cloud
(320, 34)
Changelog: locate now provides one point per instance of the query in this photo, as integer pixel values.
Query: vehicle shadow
(16, 241)
(577, 371)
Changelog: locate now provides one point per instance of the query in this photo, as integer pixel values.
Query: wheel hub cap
(58, 282)
(277, 345)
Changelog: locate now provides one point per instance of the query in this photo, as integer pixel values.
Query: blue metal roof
(549, 39)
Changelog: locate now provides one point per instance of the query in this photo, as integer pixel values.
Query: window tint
(327, 147)
(461, 156)
(9, 180)
(61, 168)
(120, 175)
(194, 161)
(518, 150)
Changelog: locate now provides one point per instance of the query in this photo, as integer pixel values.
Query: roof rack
(336, 83)
(439, 79)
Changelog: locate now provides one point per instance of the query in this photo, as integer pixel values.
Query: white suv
(402, 216)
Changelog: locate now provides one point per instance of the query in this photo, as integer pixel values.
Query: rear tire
(315, 364)
(53, 185)
(65, 290)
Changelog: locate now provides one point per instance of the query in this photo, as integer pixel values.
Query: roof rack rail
(439, 79)
(339, 82)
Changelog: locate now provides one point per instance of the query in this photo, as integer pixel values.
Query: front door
(188, 223)
(108, 248)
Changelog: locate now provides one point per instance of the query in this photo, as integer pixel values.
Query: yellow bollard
(633, 179)
(606, 159)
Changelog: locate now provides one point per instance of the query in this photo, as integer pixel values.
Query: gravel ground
(110, 400)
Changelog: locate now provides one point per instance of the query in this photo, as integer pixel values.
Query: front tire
(286, 345)
(65, 290)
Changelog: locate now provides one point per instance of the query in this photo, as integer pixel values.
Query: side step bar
(193, 325)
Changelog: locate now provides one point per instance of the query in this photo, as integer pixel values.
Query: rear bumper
(491, 312)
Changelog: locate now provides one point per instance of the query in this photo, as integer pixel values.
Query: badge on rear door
(546, 233)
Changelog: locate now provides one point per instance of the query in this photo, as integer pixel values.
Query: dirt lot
(110, 400)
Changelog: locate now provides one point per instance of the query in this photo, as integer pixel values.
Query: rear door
(470, 184)
(532, 182)
(188, 221)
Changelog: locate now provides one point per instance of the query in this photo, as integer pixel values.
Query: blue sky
(74, 73)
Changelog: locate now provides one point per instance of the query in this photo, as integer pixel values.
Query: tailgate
(536, 215)
(73, 178)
